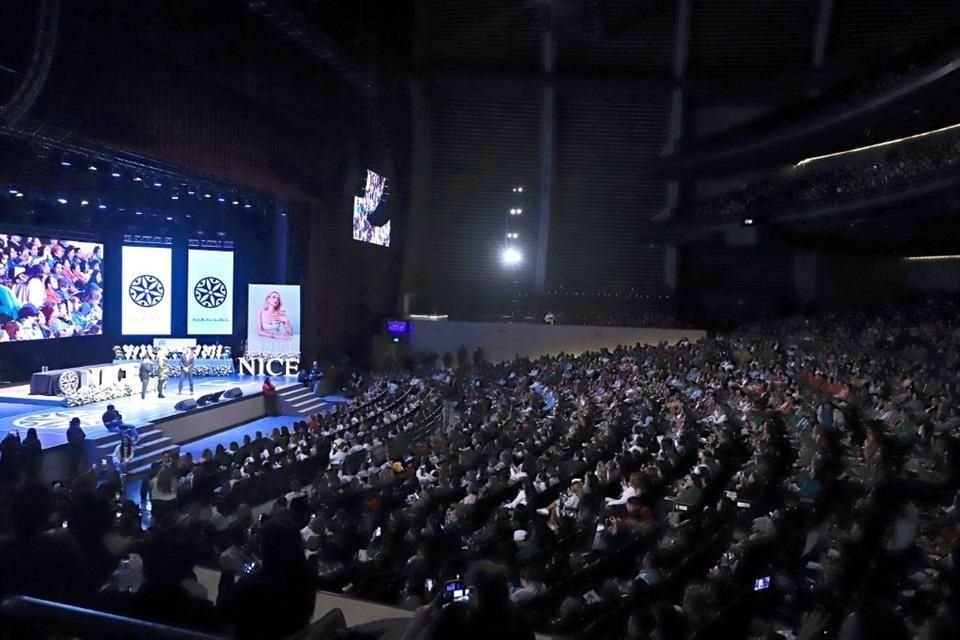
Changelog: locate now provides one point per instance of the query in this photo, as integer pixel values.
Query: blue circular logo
(146, 291)
(210, 292)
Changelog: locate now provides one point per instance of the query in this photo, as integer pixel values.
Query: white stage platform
(20, 411)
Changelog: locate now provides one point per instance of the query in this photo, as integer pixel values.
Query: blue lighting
(101, 206)
(248, 206)
(12, 192)
(169, 218)
(139, 213)
(221, 199)
(157, 184)
(115, 174)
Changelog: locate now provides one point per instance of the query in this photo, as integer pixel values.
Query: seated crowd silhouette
(787, 480)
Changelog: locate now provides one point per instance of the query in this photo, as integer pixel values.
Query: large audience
(861, 177)
(791, 480)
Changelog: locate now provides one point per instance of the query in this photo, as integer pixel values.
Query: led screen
(370, 223)
(49, 288)
(273, 319)
(147, 291)
(210, 292)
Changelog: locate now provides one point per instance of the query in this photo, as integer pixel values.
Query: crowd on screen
(49, 288)
(790, 480)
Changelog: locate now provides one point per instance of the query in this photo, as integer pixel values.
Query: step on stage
(162, 427)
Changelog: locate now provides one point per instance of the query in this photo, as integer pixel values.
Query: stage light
(115, 174)
(92, 167)
(511, 256)
(207, 195)
(190, 193)
(247, 205)
(221, 199)
(19, 194)
(139, 213)
(137, 179)
(65, 163)
(236, 202)
(12, 192)
(157, 184)
(174, 197)
(62, 200)
(748, 221)
(84, 203)
(520, 189)
(169, 218)
(101, 206)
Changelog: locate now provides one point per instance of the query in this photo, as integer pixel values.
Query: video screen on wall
(50, 288)
(209, 292)
(370, 222)
(273, 319)
(146, 290)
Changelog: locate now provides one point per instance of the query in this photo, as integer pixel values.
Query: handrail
(96, 624)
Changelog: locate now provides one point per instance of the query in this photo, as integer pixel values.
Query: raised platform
(51, 419)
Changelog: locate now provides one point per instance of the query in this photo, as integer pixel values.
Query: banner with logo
(273, 319)
(146, 291)
(210, 293)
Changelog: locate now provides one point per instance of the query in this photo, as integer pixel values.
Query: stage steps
(299, 400)
(150, 448)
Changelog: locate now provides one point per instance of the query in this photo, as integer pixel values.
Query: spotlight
(139, 213)
(169, 218)
(92, 167)
(65, 163)
(13, 192)
(19, 194)
(191, 192)
(101, 206)
(137, 179)
(62, 200)
(174, 197)
(247, 205)
(157, 184)
(520, 189)
(511, 256)
(747, 222)
(221, 199)
(207, 195)
(115, 174)
(84, 203)
(236, 202)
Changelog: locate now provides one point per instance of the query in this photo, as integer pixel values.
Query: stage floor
(51, 419)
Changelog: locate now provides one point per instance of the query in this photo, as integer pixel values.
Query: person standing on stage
(77, 447)
(270, 397)
(163, 372)
(146, 370)
(187, 358)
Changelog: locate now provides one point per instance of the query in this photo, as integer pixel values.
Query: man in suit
(146, 370)
(163, 372)
(187, 358)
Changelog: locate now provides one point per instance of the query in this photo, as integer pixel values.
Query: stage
(21, 411)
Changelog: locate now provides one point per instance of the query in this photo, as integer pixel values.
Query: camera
(454, 591)
(761, 584)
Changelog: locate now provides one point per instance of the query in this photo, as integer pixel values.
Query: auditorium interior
(436, 319)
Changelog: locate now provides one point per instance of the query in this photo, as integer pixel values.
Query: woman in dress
(273, 322)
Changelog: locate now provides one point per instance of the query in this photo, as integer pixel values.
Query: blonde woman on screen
(272, 321)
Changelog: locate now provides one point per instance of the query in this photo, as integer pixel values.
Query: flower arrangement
(101, 393)
(141, 351)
